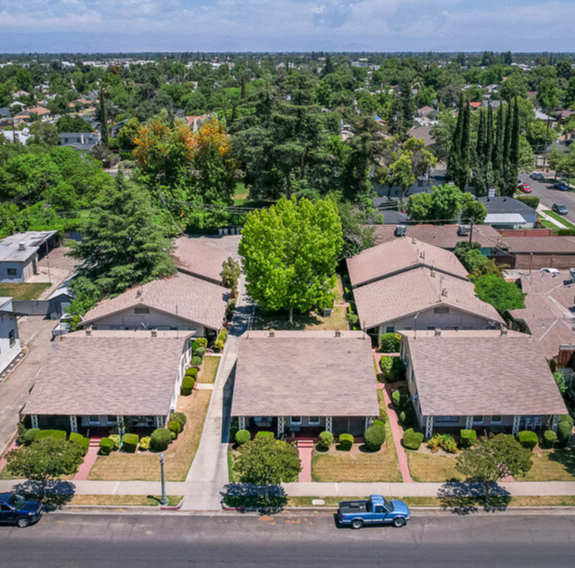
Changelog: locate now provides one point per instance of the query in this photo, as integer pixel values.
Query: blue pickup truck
(372, 511)
(19, 511)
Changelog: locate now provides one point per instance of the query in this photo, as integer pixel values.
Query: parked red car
(524, 188)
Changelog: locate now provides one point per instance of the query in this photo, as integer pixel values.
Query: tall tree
(454, 159)
(103, 111)
(464, 158)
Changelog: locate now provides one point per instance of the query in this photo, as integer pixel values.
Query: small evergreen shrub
(21, 433)
(192, 372)
(468, 437)
(160, 440)
(223, 335)
(31, 435)
(218, 345)
(57, 434)
(412, 440)
(549, 438)
(390, 342)
(345, 442)
(106, 446)
(199, 352)
(407, 417)
(325, 441)
(443, 441)
(564, 432)
(392, 368)
(566, 418)
(188, 385)
(242, 436)
(199, 342)
(265, 435)
(527, 439)
(145, 443)
(401, 398)
(130, 442)
(80, 440)
(116, 439)
(175, 427)
(374, 437)
(196, 361)
(379, 423)
(178, 417)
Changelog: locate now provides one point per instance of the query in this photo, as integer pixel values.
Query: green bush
(242, 436)
(374, 437)
(325, 441)
(234, 427)
(178, 417)
(412, 440)
(21, 433)
(345, 442)
(175, 427)
(566, 232)
(265, 435)
(173, 435)
(31, 435)
(218, 345)
(116, 439)
(529, 200)
(106, 446)
(199, 342)
(130, 442)
(196, 361)
(379, 423)
(57, 434)
(443, 441)
(84, 443)
(230, 308)
(199, 352)
(145, 443)
(564, 432)
(160, 440)
(468, 437)
(549, 438)
(390, 342)
(566, 418)
(407, 416)
(527, 439)
(192, 372)
(401, 398)
(188, 385)
(392, 368)
(223, 335)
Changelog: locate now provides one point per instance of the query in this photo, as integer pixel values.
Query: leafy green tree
(502, 295)
(231, 272)
(357, 235)
(472, 209)
(446, 202)
(420, 207)
(44, 460)
(514, 86)
(43, 133)
(290, 253)
(69, 123)
(442, 133)
(128, 134)
(267, 461)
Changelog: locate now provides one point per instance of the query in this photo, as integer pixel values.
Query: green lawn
(210, 369)
(312, 320)
(241, 193)
(559, 219)
(23, 290)
(338, 291)
(430, 467)
(552, 465)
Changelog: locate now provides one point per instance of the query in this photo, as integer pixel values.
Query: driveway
(544, 190)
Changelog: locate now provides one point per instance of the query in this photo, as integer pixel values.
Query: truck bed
(349, 507)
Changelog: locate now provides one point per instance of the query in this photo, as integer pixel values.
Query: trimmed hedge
(80, 440)
(57, 434)
(178, 417)
(188, 383)
(401, 398)
(379, 423)
(549, 438)
(242, 436)
(529, 200)
(325, 441)
(31, 435)
(564, 432)
(145, 443)
(345, 442)
(468, 437)
(218, 345)
(130, 442)
(374, 437)
(528, 439)
(106, 446)
(175, 426)
(412, 440)
(196, 361)
(192, 372)
(160, 440)
(265, 435)
(407, 417)
(566, 418)
(116, 439)
(390, 342)
(199, 352)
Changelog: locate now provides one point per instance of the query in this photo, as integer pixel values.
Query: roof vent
(338, 332)
(437, 331)
(154, 333)
(89, 331)
(444, 292)
(422, 255)
(413, 241)
(503, 330)
(22, 246)
(400, 231)
(463, 230)
(272, 332)
(432, 272)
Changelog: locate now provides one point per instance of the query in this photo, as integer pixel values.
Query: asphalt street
(548, 195)
(80, 540)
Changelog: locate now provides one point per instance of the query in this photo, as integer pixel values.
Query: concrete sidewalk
(107, 487)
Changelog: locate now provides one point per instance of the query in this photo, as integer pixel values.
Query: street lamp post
(164, 499)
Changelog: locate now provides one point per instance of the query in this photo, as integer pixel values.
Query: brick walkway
(305, 449)
(89, 459)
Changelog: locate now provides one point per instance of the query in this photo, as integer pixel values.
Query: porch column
(120, 422)
(160, 421)
(73, 423)
(368, 421)
(554, 423)
(34, 418)
(328, 423)
(281, 426)
(429, 426)
(516, 423)
(241, 422)
(469, 422)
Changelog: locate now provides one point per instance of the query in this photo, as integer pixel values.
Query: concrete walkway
(209, 472)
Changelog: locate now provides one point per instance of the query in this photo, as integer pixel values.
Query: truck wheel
(22, 522)
(356, 524)
(398, 522)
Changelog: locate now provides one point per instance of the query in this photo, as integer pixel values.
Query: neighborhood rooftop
(19, 247)
(198, 258)
(305, 373)
(99, 376)
(482, 373)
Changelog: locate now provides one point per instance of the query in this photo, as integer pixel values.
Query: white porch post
(281, 426)
(120, 422)
(554, 423)
(469, 422)
(516, 423)
(428, 426)
(242, 422)
(368, 421)
(160, 421)
(328, 423)
(34, 418)
(73, 423)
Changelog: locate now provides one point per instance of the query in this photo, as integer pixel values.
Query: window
(5, 509)
(389, 329)
(379, 509)
(11, 338)
(94, 419)
(141, 310)
(313, 421)
(497, 419)
(441, 310)
(295, 420)
(446, 419)
(11, 271)
(478, 420)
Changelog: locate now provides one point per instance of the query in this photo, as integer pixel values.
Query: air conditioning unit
(463, 230)
(400, 231)
(22, 246)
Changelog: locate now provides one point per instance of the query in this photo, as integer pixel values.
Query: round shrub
(145, 443)
(199, 342)
(325, 441)
(564, 432)
(345, 442)
(566, 418)
(527, 439)
(175, 427)
(160, 440)
(218, 345)
(116, 439)
(374, 437)
(192, 372)
(412, 440)
(468, 437)
(265, 435)
(407, 417)
(106, 446)
(379, 423)
(390, 342)
(57, 434)
(242, 436)
(401, 398)
(130, 442)
(188, 385)
(223, 335)
(173, 435)
(80, 440)
(196, 361)
(179, 417)
(199, 352)
(30, 435)
(549, 438)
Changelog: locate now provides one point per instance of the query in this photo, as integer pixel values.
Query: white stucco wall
(8, 324)
(24, 270)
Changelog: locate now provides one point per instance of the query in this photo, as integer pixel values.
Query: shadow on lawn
(248, 496)
(566, 458)
(468, 498)
(58, 492)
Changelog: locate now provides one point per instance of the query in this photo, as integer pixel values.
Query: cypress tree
(479, 162)
(507, 137)
(103, 117)
(488, 155)
(497, 160)
(512, 169)
(463, 174)
(454, 159)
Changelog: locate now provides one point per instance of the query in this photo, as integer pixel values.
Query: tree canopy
(502, 295)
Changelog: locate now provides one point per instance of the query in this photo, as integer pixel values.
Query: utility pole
(470, 233)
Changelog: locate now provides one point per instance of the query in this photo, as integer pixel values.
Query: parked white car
(553, 271)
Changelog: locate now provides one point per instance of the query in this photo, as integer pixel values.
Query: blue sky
(286, 25)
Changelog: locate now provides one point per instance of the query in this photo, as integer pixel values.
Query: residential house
(304, 382)
(197, 258)
(59, 301)
(9, 338)
(20, 136)
(423, 133)
(41, 111)
(529, 252)
(178, 302)
(20, 252)
(483, 380)
(508, 213)
(80, 140)
(104, 379)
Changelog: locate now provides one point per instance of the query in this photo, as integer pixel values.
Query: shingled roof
(465, 373)
(180, 295)
(198, 258)
(117, 376)
(305, 373)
